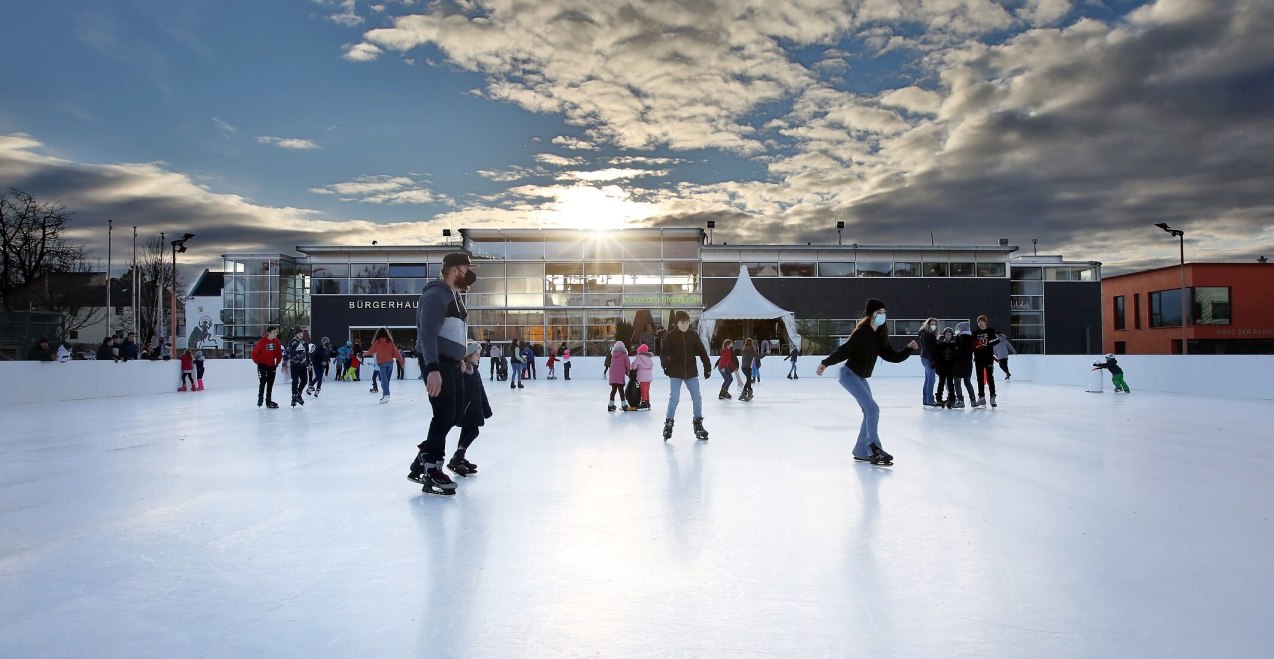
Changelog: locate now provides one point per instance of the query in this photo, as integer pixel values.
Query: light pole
(712, 224)
(840, 226)
(110, 231)
(135, 299)
(179, 245)
(1181, 238)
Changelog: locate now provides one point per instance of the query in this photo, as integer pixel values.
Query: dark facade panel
(334, 314)
(918, 298)
(1072, 318)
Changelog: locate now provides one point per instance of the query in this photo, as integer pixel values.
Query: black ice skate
(980, 402)
(458, 466)
(437, 482)
(724, 395)
(992, 400)
(611, 406)
(271, 404)
(667, 429)
(959, 404)
(645, 405)
(700, 433)
(879, 457)
(310, 390)
(417, 472)
(260, 401)
(473, 468)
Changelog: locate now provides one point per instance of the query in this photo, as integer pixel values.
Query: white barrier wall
(1207, 375)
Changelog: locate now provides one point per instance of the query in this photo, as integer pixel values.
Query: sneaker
(384, 399)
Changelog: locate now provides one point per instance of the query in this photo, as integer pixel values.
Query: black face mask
(469, 278)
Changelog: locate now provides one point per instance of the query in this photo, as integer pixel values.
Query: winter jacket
(726, 360)
(440, 325)
(928, 344)
(963, 365)
(38, 354)
(528, 355)
(619, 366)
(551, 360)
(105, 351)
(320, 356)
(749, 359)
(128, 350)
(1111, 365)
(863, 347)
(298, 352)
(385, 351)
(677, 354)
(984, 341)
(344, 352)
(645, 366)
(791, 356)
(475, 408)
(268, 352)
(1004, 348)
(187, 362)
(945, 357)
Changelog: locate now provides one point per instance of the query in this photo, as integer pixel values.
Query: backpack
(632, 392)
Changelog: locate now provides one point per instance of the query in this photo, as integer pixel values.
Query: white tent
(745, 303)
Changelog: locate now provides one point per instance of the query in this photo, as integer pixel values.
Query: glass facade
(260, 291)
(797, 261)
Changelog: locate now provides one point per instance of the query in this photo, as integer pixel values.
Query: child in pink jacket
(617, 363)
(645, 365)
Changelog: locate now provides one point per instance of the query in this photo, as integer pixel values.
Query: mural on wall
(201, 337)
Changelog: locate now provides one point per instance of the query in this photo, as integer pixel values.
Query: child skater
(187, 370)
(199, 368)
(645, 366)
(944, 364)
(352, 374)
(618, 365)
(1116, 374)
(963, 367)
(474, 409)
(552, 364)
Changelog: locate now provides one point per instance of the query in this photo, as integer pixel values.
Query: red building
(1230, 310)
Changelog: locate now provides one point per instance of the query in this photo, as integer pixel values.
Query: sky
(260, 126)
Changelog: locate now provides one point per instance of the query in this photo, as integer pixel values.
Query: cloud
(289, 142)
(574, 143)
(382, 189)
(554, 160)
(225, 127)
(613, 174)
(344, 12)
(512, 173)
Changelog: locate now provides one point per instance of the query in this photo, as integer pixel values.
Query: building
(1230, 310)
(553, 286)
(203, 326)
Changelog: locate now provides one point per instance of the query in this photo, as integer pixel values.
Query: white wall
(1208, 375)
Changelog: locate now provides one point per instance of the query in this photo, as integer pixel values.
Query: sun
(594, 208)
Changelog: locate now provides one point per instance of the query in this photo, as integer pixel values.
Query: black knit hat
(873, 305)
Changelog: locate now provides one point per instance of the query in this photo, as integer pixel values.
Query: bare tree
(155, 278)
(32, 243)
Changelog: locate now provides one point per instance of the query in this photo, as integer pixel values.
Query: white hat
(471, 347)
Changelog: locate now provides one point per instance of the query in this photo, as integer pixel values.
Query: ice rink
(1062, 524)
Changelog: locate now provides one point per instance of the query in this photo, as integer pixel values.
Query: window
(996, 269)
(836, 270)
(962, 269)
(331, 270)
(1121, 348)
(719, 269)
(369, 270)
(935, 269)
(759, 269)
(907, 269)
(796, 269)
(330, 286)
(875, 268)
(1211, 305)
(408, 270)
(1119, 312)
(1165, 308)
(1136, 310)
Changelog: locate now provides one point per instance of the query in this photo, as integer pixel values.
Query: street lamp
(712, 224)
(1181, 238)
(840, 226)
(179, 245)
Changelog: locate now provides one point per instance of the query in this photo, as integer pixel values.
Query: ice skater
(320, 359)
(199, 369)
(551, 363)
(677, 355)
(928, 339)
(386, 354)
(617, 365)
(869, 340)
(187, 370)
(299, 352)
(267, 354)
(474, 413)
(962, 368)
(443, 342)
(645, 367)
(792, 357)
(726, 366)
(1002, 351)
(944, 363)
(1116, 374)
(984, 342)
(748, 366)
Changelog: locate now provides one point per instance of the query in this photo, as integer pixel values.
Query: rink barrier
(1233, 376)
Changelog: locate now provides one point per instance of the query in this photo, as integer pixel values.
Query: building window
(1136, 310)
(935, 269)
(1119, 312)
(962, 269)
(1211, 305)
(1165, 308)
(1121, 348)
(907, 269)
(836, 270)
(991, 269)
(74, 334)
(796, 269)
(875, 268)
(719, 269)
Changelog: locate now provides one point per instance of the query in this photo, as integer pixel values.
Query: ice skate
(958, 405)
(611, 406)
(438, 483)
(260, 401)
(473, 468)
(879, 456)
(980, 402)
(700, 433)
(458, 466)
(667, 429)
(645, 405)
(384, 399)
(520, 386)
(183, 388)
(417, 472)
(310, 390)
(992, 400)
(200, 388)
(724, 395)
(271, 404)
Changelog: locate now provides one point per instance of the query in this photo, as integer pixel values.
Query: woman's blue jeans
(385, 370)
(930, 377)
(861, 391)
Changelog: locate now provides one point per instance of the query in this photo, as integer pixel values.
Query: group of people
(112, 348)
(521, 362)
(742, 365)
(308, 363)
(955, 357)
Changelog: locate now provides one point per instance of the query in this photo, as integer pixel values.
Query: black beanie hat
(873, 305)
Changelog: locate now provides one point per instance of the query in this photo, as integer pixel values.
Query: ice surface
(1064, 523)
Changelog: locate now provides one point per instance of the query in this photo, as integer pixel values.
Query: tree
(155, 278)
(32, 243)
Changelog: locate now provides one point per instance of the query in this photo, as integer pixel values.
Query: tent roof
(744, 301)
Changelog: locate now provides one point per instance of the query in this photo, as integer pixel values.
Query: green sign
(664, 300)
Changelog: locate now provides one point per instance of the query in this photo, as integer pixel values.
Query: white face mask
(933, 328)
(878, 320)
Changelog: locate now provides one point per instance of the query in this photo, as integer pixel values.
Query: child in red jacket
(187, 370)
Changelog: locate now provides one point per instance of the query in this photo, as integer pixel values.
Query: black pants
(446, 408)
(300, 377)
(747, 384)
(986, 377)
(199, 370)
(320, 371)
(530, 369)
(968, 384)
(400, 367)
(945, 380)
(566, 370)
(265, 382)
(467, 435)
(617, 388)
(491, 373)
(1004, 366)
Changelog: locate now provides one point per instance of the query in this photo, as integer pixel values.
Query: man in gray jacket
(442, 336)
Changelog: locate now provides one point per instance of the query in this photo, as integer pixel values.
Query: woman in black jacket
(869, 340)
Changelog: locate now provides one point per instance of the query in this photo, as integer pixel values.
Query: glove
(707, 375)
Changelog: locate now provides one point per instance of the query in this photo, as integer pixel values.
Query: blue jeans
(930, 376)
(861, 391)
(674, 395)
(792, 371)
(515, 373)
(385, 371)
